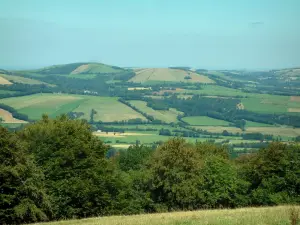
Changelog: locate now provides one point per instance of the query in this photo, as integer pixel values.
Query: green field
(168, 116)
(255, 124)
(36, 105)
(108, 109)
(8, 92)
(204, 121)
(269, 104)
(279, 215)
(215, 90)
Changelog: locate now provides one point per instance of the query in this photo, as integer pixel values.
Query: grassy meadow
(204, 121)
(108, 109)
(168, 116)
(279, 215)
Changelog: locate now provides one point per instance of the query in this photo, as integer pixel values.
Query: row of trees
(56, 169)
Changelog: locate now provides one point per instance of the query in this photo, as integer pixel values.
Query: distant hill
(80, 68)
(169, 74)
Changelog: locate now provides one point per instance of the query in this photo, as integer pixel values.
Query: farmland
(246, 216)
(204, 121)
(8, 118)
(107, 108)
(18, 79)
(166, 74)
(4, 80)
(164, 115)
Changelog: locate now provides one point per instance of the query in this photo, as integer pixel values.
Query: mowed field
(168, 116)
(279, 215)
(108, 109)
(4, 81)
(166, 74)
(204, 121)
(18, 79)
(8, 118)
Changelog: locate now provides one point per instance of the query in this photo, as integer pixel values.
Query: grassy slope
(164, 115)
(279, 215)
(108, 108)
(23, 80)
(204, 121)
(166, 74)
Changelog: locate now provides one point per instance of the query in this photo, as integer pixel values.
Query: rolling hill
(80, 68)
(168, 74)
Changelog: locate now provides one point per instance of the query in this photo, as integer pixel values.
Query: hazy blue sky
(158, 33)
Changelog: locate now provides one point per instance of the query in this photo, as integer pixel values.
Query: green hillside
(79, 68)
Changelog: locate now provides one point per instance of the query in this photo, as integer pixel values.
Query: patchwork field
(36, 105)
(279, 215)
(168, 116)
(8, 118)
(219, 129)
(270, 104)
(276, 131)
(204, 121)
(166, 74)
(108, 109)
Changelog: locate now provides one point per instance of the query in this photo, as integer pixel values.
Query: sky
(207, 34)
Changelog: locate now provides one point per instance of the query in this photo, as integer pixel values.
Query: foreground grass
(279, 215)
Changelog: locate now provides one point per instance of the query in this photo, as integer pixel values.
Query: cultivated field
(276, 131)
(4, 81)
(166, 74)
(23, 80)
(95, 68)
(36, 105)
(219, 129)
(108, 109)
(279, 215)
(8, 118)
(168, 116)
(204, 121)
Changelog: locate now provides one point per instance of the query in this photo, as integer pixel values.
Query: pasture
(108, 109)
(279, 215)
(276, 131)
(218, 129)
(168, 116)
(36, 105)
(166, 74)
(204, 121)
(256, 124)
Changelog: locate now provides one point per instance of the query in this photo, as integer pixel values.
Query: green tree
(175, 175)
(79, 178)
(22, 193)
(134, 157)
(274, 174)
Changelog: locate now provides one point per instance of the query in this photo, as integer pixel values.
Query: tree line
(56, 169)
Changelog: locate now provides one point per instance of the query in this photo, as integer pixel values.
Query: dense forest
(56, 169)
